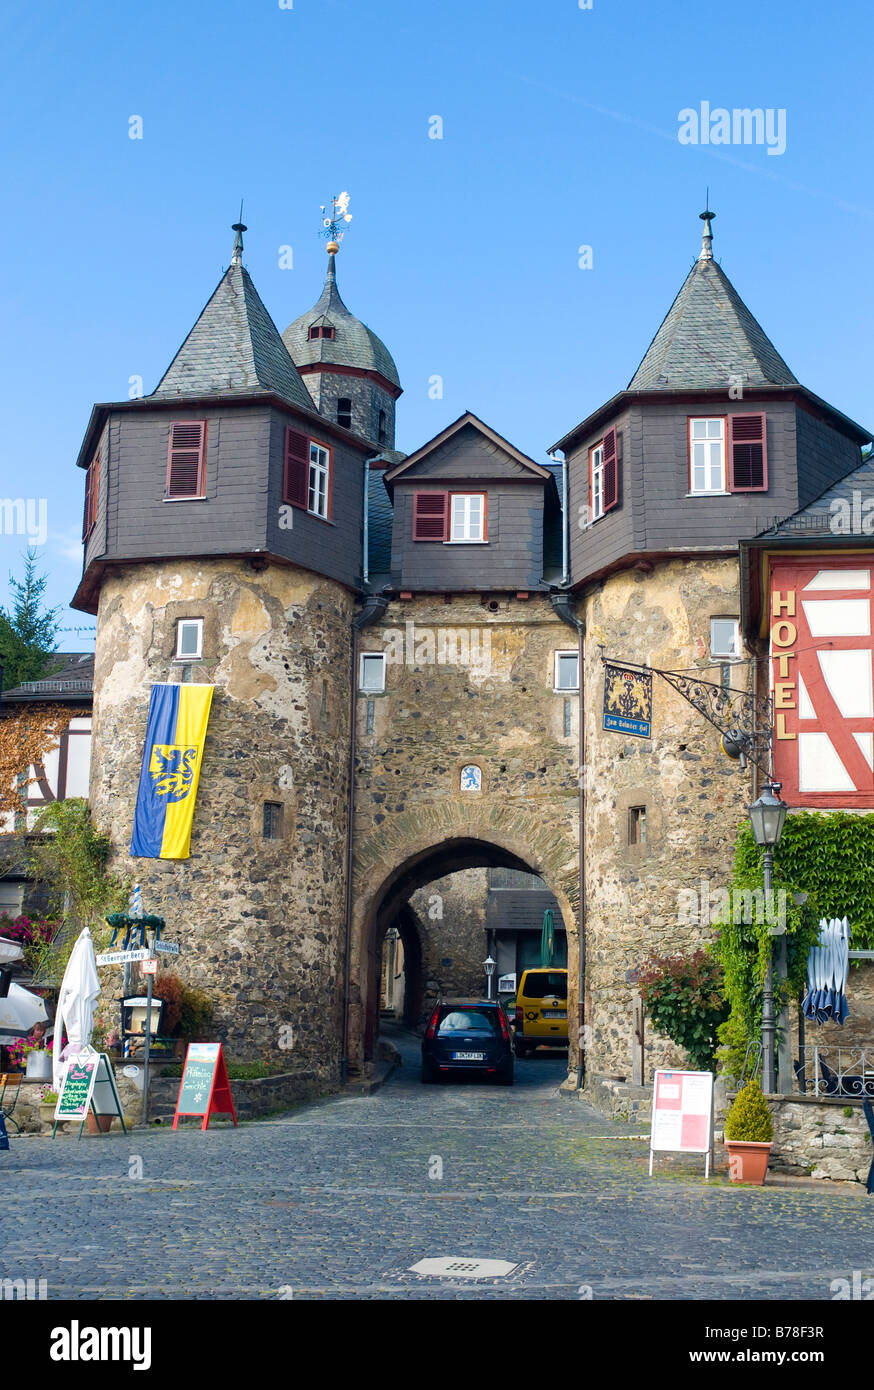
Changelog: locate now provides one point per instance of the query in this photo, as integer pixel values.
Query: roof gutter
(562, 603)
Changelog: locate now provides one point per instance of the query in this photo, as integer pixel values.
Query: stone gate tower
(223, 545)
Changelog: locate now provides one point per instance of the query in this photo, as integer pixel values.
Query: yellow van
(541, 1011)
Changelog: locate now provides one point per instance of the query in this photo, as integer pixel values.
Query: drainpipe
(565, 520)
(562, 604)
(374, 607)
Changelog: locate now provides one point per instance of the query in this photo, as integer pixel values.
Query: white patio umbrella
(75, 1013)
(19, 1011)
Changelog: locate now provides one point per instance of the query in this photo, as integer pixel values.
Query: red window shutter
(747, 453)
(86, 515)
(611, 471)
(94, 470)
(430, 516)
(185, 458)
(295, 488)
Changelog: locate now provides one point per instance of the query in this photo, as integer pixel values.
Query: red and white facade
(822, 678)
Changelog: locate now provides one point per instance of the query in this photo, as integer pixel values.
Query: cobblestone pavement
(334, 1199)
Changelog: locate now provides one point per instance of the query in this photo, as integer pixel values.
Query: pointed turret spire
(238, 227)
(707, 235)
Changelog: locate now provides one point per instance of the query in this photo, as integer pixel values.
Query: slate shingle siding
(824, 456)
(656, 514)
(330, 547)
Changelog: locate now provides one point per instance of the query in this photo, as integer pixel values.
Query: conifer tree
(28, 634)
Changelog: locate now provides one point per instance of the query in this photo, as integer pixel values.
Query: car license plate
(468, 1056)
(555, 1013)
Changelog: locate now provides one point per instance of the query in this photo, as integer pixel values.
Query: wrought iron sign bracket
(743, 721)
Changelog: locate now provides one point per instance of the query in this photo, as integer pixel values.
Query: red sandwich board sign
(682, 1114)
(204, 1089)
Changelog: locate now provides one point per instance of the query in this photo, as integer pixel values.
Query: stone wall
(500, 713)
(451, 919)
(260, 921)
(820, 1137)
(695, 798)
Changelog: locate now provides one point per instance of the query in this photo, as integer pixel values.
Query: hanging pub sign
(627, 700)
(204, 1089)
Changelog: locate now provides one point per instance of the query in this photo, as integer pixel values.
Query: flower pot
(39, 1066)
(47, 1112)
(98, 1124)
(747, 1160)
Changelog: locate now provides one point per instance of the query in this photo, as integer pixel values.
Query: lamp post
(767, 817)
(489, 967)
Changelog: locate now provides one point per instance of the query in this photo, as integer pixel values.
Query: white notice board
(682, 1114)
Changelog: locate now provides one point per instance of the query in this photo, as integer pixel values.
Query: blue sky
(560, 129)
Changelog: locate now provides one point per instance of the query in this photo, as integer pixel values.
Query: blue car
(468, 1035)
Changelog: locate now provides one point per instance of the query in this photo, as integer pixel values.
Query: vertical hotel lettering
(822, 680)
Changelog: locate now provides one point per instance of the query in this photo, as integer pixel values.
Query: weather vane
(333, 217)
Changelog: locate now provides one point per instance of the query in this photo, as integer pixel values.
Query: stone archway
(412, 850)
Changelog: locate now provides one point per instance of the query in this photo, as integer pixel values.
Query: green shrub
(749, 1119)
(732, 1050)
(683, 998)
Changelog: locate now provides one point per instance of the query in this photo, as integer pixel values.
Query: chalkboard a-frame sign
(88, 1083)
(204, 1089)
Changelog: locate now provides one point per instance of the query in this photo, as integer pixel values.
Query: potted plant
(749, 1134)
(48, 1099)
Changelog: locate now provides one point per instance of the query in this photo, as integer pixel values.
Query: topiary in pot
(749, 1134)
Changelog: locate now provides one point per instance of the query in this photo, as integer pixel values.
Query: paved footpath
(337, 1199)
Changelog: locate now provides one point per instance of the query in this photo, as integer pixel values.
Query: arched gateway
(395, 860)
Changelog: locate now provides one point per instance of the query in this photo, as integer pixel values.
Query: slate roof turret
(353, 343)
(709, 335)
(234, 347)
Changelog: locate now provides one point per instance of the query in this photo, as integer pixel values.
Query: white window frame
(189, 622)
(364, 659)
(466, 526)
(556, 666)
(707, 465)
(319, 482)
(721, 655)
(596, 468)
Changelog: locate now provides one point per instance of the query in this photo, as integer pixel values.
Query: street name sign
(167, 948)
(121, 957)
(204, 1089)
(682, 1114)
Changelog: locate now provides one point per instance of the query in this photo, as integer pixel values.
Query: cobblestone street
(335, 1200)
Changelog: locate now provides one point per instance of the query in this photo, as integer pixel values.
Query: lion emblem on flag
(172, 768)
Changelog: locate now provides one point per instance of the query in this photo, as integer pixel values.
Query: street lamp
(767, 817)
(489, 967)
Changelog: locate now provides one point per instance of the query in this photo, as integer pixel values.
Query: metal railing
(845, 1072)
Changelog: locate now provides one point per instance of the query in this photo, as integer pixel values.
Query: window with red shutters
(92, 484)
(186, 455)
(611, 471)
(296, 479)
(747, 453)
(430, 516)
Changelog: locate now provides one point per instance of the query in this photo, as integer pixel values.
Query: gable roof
(234, 347)
(708, 335)
(70, 679)
(463, 421)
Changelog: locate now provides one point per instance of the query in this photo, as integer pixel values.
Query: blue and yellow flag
(175, 735)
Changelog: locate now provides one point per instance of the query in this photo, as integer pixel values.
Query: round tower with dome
(348, 371)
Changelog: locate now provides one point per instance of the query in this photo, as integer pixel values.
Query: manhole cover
(456, 1267)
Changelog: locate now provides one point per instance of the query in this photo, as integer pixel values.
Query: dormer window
(467, 516)
(344, 412)
(321, 330)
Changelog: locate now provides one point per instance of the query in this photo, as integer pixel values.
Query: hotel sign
(627, 700)
(822, 680)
